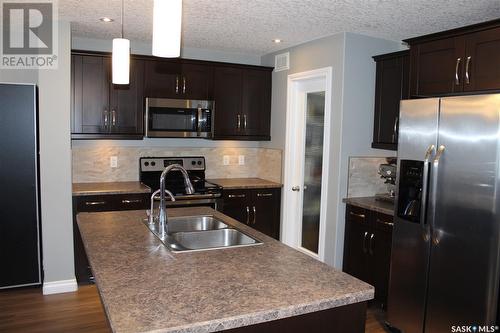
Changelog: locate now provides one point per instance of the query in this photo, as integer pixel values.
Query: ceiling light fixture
(167, 22)
(121, 58)
(106, 19)
(277, 40)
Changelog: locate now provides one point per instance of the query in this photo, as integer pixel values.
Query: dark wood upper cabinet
(242, 103)
(101, 109)
(392, 80)
(175, 79)
(459, 61)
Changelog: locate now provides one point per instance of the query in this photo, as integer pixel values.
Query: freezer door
(464, 264)
(410, 244)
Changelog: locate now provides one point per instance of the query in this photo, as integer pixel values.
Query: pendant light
(121, 58)
(167, 21)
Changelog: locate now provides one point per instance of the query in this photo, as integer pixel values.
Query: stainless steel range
(205, 193)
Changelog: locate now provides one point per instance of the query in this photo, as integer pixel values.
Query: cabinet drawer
(357, 214)
(384, 222)
(132, 201)
(94, 203)
(112, 202)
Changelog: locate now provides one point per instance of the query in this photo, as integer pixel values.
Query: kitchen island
(262, 288)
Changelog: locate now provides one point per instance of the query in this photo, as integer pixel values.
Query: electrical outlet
(241, 159)
(225, 159)
(113, 161)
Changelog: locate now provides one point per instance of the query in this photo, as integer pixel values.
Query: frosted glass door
(313, 166)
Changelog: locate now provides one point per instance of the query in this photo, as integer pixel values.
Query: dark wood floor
(27, 310)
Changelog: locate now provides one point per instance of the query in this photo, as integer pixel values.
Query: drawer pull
(364, 241)
(94, 203)
(361, 216)
(264, 194)
(236, 196)
(130, 201)
(385, 222)
(372, 237)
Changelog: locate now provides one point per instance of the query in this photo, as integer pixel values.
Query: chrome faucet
(162, 217)
(151, 218)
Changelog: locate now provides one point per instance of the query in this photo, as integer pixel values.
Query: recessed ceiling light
(106, 19)
(277, 40)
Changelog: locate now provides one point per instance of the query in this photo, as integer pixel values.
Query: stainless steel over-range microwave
(178, 118)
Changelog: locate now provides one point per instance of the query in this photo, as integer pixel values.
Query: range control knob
(193, 162)
(153, 163)
(146, 163)
(199, 162)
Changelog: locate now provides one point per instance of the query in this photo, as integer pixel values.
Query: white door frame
(294, 173)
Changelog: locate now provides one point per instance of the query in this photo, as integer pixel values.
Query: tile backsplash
(92, 164)
(364, 180)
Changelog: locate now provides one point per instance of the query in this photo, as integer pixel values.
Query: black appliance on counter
(20, 252)
(206, 193)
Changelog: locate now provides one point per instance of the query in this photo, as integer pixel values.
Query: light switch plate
(225, 160)
(241, 159)
(113, 161)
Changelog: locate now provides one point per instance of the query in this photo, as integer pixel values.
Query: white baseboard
(61, 286)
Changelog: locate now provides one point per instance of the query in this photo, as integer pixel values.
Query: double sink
(198, 233)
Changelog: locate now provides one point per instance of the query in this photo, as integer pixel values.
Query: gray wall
(55, 158)
(353, 85)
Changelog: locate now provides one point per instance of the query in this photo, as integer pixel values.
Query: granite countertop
(146, 288)
(370, 203)
(244, 183)
(81, 189)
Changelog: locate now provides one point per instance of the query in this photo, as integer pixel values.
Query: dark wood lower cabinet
(99, 203)
(258, 208)
(367, 248)
(343, 319)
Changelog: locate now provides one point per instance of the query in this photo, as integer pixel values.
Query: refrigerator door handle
(425, 190)
(434, 180)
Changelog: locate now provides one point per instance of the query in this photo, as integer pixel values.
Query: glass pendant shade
(121, 61)
(167, 21)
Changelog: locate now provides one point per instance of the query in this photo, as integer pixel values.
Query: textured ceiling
(249, 26)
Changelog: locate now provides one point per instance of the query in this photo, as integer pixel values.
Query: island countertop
(146, 288)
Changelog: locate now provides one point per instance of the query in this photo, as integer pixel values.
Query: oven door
(178, 118)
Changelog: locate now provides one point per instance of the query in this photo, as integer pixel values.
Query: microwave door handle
(200, 115)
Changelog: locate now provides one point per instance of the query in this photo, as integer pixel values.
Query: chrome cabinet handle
(372, 237)
(129, 201)
(296, 188)
(385, 222)
(177, 84)
(425, 191)
(236, 196)
(467, 79)
(457, 80)
(95, 203)
(361, 216)
(106, 117)
(113, 117)
(183, 84)
(254, 215)
(245, 121)
(395, 130)
(248, 215)
(364, 242)
(264, 194)
(238, 121)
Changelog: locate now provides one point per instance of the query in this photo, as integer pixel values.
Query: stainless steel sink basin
(208, 240)
(194, 223)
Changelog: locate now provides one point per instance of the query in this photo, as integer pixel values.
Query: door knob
(296, 188)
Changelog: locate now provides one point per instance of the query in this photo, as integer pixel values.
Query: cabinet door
(265, 211)
(380, 251)
(90, 92)
(482, 61)
(355, 259)
(237, 204)
(256, 103)
(437, 67)
(163, 79)
(127, 102)
(228, 83)
(197, 82)
(389, 90)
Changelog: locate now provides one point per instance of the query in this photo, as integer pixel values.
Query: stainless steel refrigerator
(446, 239)
(19, 199)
